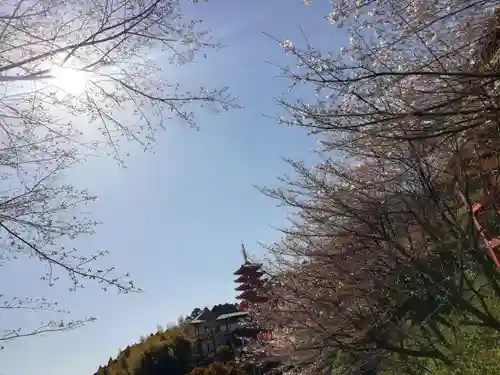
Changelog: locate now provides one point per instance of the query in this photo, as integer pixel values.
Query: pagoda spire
(244, 252)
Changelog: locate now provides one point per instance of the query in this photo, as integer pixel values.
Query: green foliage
(480, 355)
(169, 350)
(126, 352)
(224, 353)
(173, 358)
(218, 368)
(123, 362)
(475, 351)
(197, 311)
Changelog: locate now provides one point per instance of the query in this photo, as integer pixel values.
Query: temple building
(249, 280)
(213, 329)
(231, 325)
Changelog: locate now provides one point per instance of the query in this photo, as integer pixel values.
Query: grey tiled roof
(232, 315)
(197, 321)
(204, 316)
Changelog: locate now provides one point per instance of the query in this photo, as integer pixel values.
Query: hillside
(133, 358)
(167, 351)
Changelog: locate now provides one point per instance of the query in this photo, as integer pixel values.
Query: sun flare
(68, 81)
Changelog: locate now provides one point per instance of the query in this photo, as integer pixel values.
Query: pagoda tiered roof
(243, 287)
(249, 280)
(247, 267)
(246, 278)
(254, 298)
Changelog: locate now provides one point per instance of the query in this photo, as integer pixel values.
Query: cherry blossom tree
(78, 78)
(377, 87)
(368, 261)
(381, 255)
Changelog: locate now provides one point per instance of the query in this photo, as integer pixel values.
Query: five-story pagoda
(249, 281)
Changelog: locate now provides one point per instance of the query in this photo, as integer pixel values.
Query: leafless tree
(78, 78)
(370, 259)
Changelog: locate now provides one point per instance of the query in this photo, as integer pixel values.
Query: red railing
(490, 242)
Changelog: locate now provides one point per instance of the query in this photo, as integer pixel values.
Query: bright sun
(68, 81)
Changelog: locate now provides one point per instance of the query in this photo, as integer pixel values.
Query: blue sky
(175, 218)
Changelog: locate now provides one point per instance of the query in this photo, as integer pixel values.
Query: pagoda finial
(244, 252)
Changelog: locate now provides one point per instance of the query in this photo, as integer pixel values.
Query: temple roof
(249, 277)
(232, 315)
(247, 267)
(243, 287)
(204, 317)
